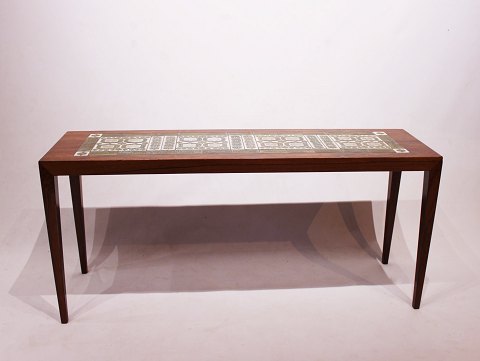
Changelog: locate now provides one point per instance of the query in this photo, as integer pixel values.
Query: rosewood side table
(80, 153)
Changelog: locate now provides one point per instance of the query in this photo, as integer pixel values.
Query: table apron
(224, 166)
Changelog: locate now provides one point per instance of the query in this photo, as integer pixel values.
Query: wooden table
(236, 151)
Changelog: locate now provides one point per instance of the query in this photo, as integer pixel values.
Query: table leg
(52, 217)
(393, 188)
(76, 189)
(431, 183)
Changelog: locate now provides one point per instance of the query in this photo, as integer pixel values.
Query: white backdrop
(67, 65)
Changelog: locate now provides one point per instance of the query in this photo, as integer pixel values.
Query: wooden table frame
(60, 161)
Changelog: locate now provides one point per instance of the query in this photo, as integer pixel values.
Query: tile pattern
(186, 143)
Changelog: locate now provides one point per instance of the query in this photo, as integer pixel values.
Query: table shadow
(212, 248)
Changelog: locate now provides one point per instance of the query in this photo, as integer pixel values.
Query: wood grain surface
(61, 159)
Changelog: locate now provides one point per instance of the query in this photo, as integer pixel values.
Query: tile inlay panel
(202, 142)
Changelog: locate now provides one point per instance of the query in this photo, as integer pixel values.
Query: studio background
(111, 65)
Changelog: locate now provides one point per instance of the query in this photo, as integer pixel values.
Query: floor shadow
(208, 248)
(235, 247)
(213, 248)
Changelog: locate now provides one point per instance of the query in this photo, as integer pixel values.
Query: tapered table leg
(76, 189)
(392, 199)
(52, 217)
(431, 183)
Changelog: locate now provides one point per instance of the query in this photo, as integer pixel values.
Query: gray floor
(258, 282)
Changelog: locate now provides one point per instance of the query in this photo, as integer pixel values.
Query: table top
(259, 150)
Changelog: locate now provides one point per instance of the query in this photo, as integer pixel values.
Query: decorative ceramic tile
(187, 143)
